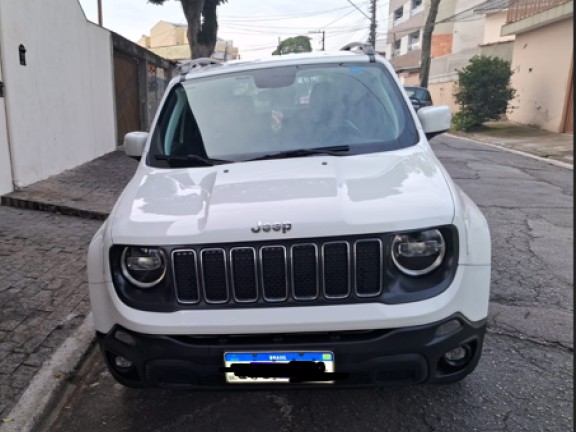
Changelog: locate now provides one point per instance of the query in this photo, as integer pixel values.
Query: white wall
(5, 168)
(494, 23)
(60, 107)
(541, 65)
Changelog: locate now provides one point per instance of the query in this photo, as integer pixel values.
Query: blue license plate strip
(282, 357)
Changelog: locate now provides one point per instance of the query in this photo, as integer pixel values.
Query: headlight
(142, 266)
(418, 253)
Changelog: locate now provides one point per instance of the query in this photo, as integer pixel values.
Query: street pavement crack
(523, 338)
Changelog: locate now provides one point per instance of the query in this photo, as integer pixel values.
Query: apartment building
(405, 30)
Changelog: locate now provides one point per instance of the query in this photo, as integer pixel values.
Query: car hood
(317, 196)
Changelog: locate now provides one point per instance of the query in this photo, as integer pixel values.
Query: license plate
(265, 359)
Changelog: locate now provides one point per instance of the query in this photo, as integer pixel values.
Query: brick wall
(441, 44)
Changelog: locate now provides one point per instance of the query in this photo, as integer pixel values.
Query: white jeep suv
(289, 224)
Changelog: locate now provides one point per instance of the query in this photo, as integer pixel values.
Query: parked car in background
(419, 96)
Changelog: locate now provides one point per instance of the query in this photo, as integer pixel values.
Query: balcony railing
(520, 9)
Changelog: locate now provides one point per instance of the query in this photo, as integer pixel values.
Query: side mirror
(134, 143)
(415, 103)
(435, 120)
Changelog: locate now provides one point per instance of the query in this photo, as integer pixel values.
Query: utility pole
(373, 23)
(100, 20)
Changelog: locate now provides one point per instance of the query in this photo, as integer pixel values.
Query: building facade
(170, 41)
(476, 31)
(542, 63)
(406, 23)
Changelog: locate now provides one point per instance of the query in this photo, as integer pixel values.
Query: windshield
(246, 115)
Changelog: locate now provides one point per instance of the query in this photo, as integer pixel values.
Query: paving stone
(43, 274)
(38, 357)
(23, 376)
(89, 190)
(11, 362)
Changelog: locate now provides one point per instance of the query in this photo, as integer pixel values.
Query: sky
(254, 25)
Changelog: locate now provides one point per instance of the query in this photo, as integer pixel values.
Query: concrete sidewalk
(525, 139)
(87, 191)
(43, 289)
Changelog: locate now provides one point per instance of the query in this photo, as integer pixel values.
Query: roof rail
(188, 65)
(365, 47)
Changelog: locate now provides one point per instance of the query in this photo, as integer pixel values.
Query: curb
(11, 201)
(51, 381)
(518, 152)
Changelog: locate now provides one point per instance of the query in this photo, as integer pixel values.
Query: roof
(491, 6)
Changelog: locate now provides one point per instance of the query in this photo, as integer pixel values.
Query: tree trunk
(427, 43)
(202, 26)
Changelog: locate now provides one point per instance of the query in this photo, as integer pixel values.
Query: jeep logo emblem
(267, 227)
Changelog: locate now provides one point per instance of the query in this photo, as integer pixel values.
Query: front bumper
(409, 355)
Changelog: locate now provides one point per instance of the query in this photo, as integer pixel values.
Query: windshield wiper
(332, 151)
(190, 160)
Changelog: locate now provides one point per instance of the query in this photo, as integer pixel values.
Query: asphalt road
(524, 381)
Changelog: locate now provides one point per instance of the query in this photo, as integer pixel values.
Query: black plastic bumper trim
(410, 355)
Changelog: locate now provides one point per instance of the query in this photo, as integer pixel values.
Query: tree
(202, 25)
(483, 91)
(425, 58)
(297, 44)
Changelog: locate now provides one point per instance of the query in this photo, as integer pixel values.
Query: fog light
(122, 362)
(458, 356)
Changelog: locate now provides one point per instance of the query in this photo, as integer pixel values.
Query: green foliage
(483, 91)
(464, 121)
(297, 44)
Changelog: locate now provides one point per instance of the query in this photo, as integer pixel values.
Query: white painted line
(518, 152)
(52, 377)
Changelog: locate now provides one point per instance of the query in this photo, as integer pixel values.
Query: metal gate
(126, 84)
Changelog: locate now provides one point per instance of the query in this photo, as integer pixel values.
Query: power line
(360, 10)
(281, 17)
(345, 36)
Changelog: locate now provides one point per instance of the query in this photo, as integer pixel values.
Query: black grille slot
(368, 260)
(305, 271)
(186, 277)
(274, 277)
(336, 270)
(214, 275)
(243, 267)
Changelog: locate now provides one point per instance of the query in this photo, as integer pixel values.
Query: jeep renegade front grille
(299, 272)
